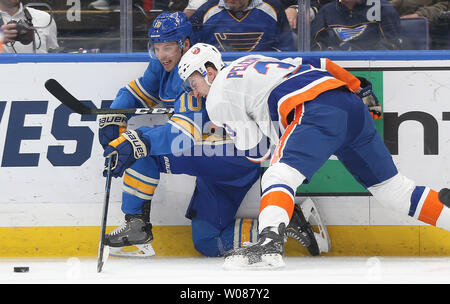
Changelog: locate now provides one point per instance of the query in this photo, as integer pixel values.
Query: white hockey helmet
(195, 59)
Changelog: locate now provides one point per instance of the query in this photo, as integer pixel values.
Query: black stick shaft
(100, 260)
(57, 90)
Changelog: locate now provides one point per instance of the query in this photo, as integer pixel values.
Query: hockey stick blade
(57, 90)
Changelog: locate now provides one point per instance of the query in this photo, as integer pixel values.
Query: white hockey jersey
(238, 98)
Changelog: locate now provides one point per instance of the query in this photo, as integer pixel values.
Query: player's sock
(430, 206)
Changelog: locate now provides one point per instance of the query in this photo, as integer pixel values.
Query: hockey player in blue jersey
(243, 25)
(179, 147)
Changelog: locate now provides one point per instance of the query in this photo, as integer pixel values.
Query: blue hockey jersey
(186, 145)
(188, 129)
(156, 86)
(336, 27)
(262, 27)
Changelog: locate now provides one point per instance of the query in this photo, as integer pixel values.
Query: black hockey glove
(369, 98)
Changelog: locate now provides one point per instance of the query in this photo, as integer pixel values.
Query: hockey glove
(111, 126)
(369, 98)
(125, 150)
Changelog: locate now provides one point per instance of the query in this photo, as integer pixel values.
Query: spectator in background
(291, 10)
(1, 40)
(25, 29)
(430, 9)
(178, 5)
(243, 25)
(437, 14)
(114, 5)
(192, 6)
(160, 4)
(356, 25)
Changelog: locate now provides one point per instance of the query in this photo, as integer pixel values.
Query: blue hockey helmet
(168, 27)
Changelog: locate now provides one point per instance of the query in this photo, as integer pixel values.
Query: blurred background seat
(415, 33)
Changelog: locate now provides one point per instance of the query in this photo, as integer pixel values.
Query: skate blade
(240, 262)
(105, 253)
(312, 215)
(135, 251)
(322, 241)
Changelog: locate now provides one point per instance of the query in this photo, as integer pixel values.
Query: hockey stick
(57, 90)
(103, 251)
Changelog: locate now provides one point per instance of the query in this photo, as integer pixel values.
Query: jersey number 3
(262, 67)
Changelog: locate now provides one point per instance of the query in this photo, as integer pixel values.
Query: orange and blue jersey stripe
(302, 86)
(278, 153)
(425, 205)
(352, 82)
(305, 84)
(279, 195)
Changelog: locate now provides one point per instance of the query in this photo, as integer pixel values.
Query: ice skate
(132, 239)
(267, 253)
(444, 196)
(300, 230)
(312, 216)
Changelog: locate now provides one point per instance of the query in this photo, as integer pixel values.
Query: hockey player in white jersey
(310, 109)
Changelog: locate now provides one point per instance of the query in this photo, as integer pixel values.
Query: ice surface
(163, 270)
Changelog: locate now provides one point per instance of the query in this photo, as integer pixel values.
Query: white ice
(159, 270)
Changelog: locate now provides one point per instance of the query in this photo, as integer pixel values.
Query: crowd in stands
(247, 25)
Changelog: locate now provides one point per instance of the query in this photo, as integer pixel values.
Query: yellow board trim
(176, 241)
